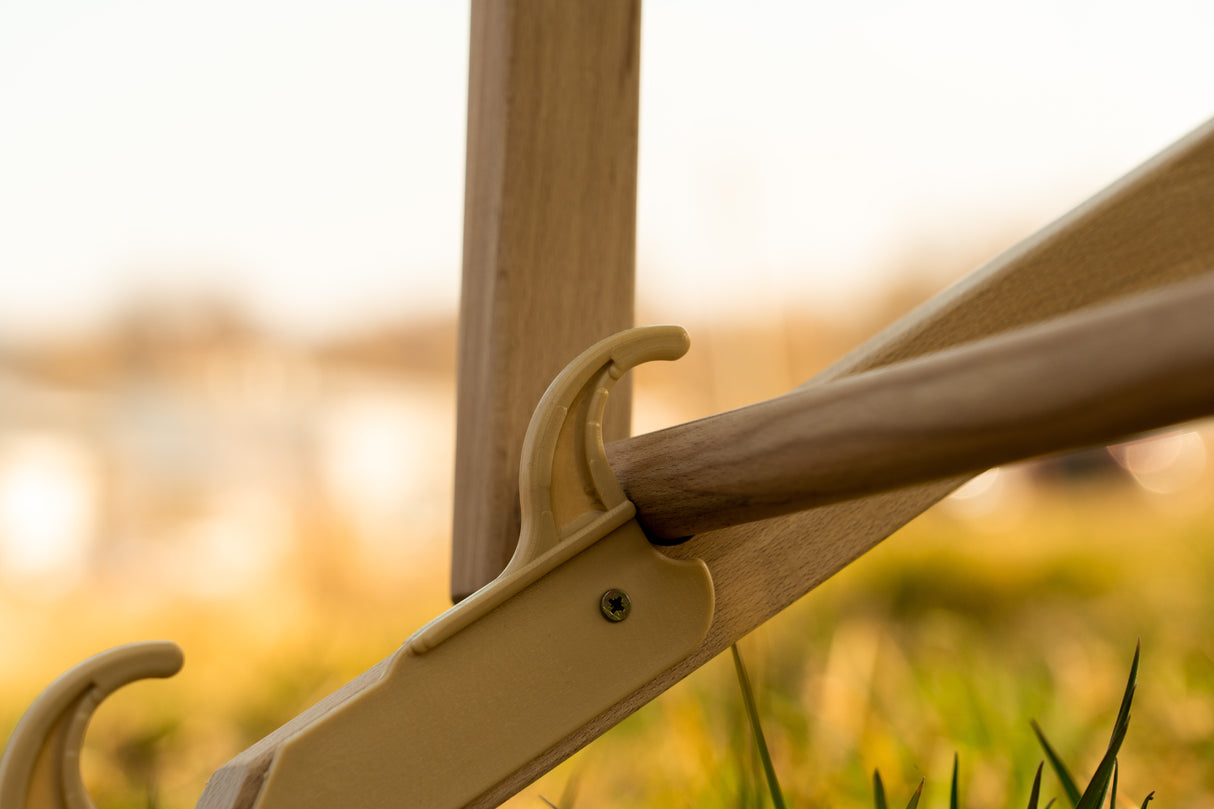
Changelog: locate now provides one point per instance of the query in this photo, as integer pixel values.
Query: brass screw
(615, 605)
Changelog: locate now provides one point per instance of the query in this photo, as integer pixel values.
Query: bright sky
(306, 158)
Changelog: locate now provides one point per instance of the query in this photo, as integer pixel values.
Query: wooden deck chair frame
(1100, 325)
(573, 263)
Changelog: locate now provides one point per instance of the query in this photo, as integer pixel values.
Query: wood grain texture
(1086, 379)
(1152, 228)
(549, 239)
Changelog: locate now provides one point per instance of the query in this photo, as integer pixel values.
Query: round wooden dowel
(1086, 379)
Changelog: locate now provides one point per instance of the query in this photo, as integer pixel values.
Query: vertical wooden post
(549, 238)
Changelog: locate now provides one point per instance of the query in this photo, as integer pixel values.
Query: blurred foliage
(948, 638)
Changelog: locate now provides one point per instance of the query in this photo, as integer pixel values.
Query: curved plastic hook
(40, 768)
(564, 480)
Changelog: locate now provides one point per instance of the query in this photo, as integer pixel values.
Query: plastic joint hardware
(498, 680)
(40, 768)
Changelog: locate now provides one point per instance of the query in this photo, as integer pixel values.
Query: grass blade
(1093, 796)
(1035, 795)
(952, 794)
(1060, 769)
(1123, 713)
(1147, 800)
(1113, 794)
(879, 791)
(752, 713)
(914, 801)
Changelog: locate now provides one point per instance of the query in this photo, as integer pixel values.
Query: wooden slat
(1087, 379)
(1153, 228)
(549, 239)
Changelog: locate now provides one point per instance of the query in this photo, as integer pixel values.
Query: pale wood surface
(1154, 227)
(549, 239)
(1086, 379)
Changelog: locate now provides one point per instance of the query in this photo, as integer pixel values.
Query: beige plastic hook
(569, 496)
(40, 768)
(565, 483)
(586, 613)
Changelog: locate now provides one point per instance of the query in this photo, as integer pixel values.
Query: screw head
(615, 605)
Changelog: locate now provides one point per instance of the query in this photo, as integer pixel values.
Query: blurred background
(229, 263)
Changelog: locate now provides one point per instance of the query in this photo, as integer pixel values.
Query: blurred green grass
(948, 638)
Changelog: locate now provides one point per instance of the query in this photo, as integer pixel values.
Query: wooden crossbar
(1087, 379)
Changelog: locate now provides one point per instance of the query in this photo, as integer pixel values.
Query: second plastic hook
(40, 768)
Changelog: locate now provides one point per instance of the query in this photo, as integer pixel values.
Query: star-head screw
(615, 605)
